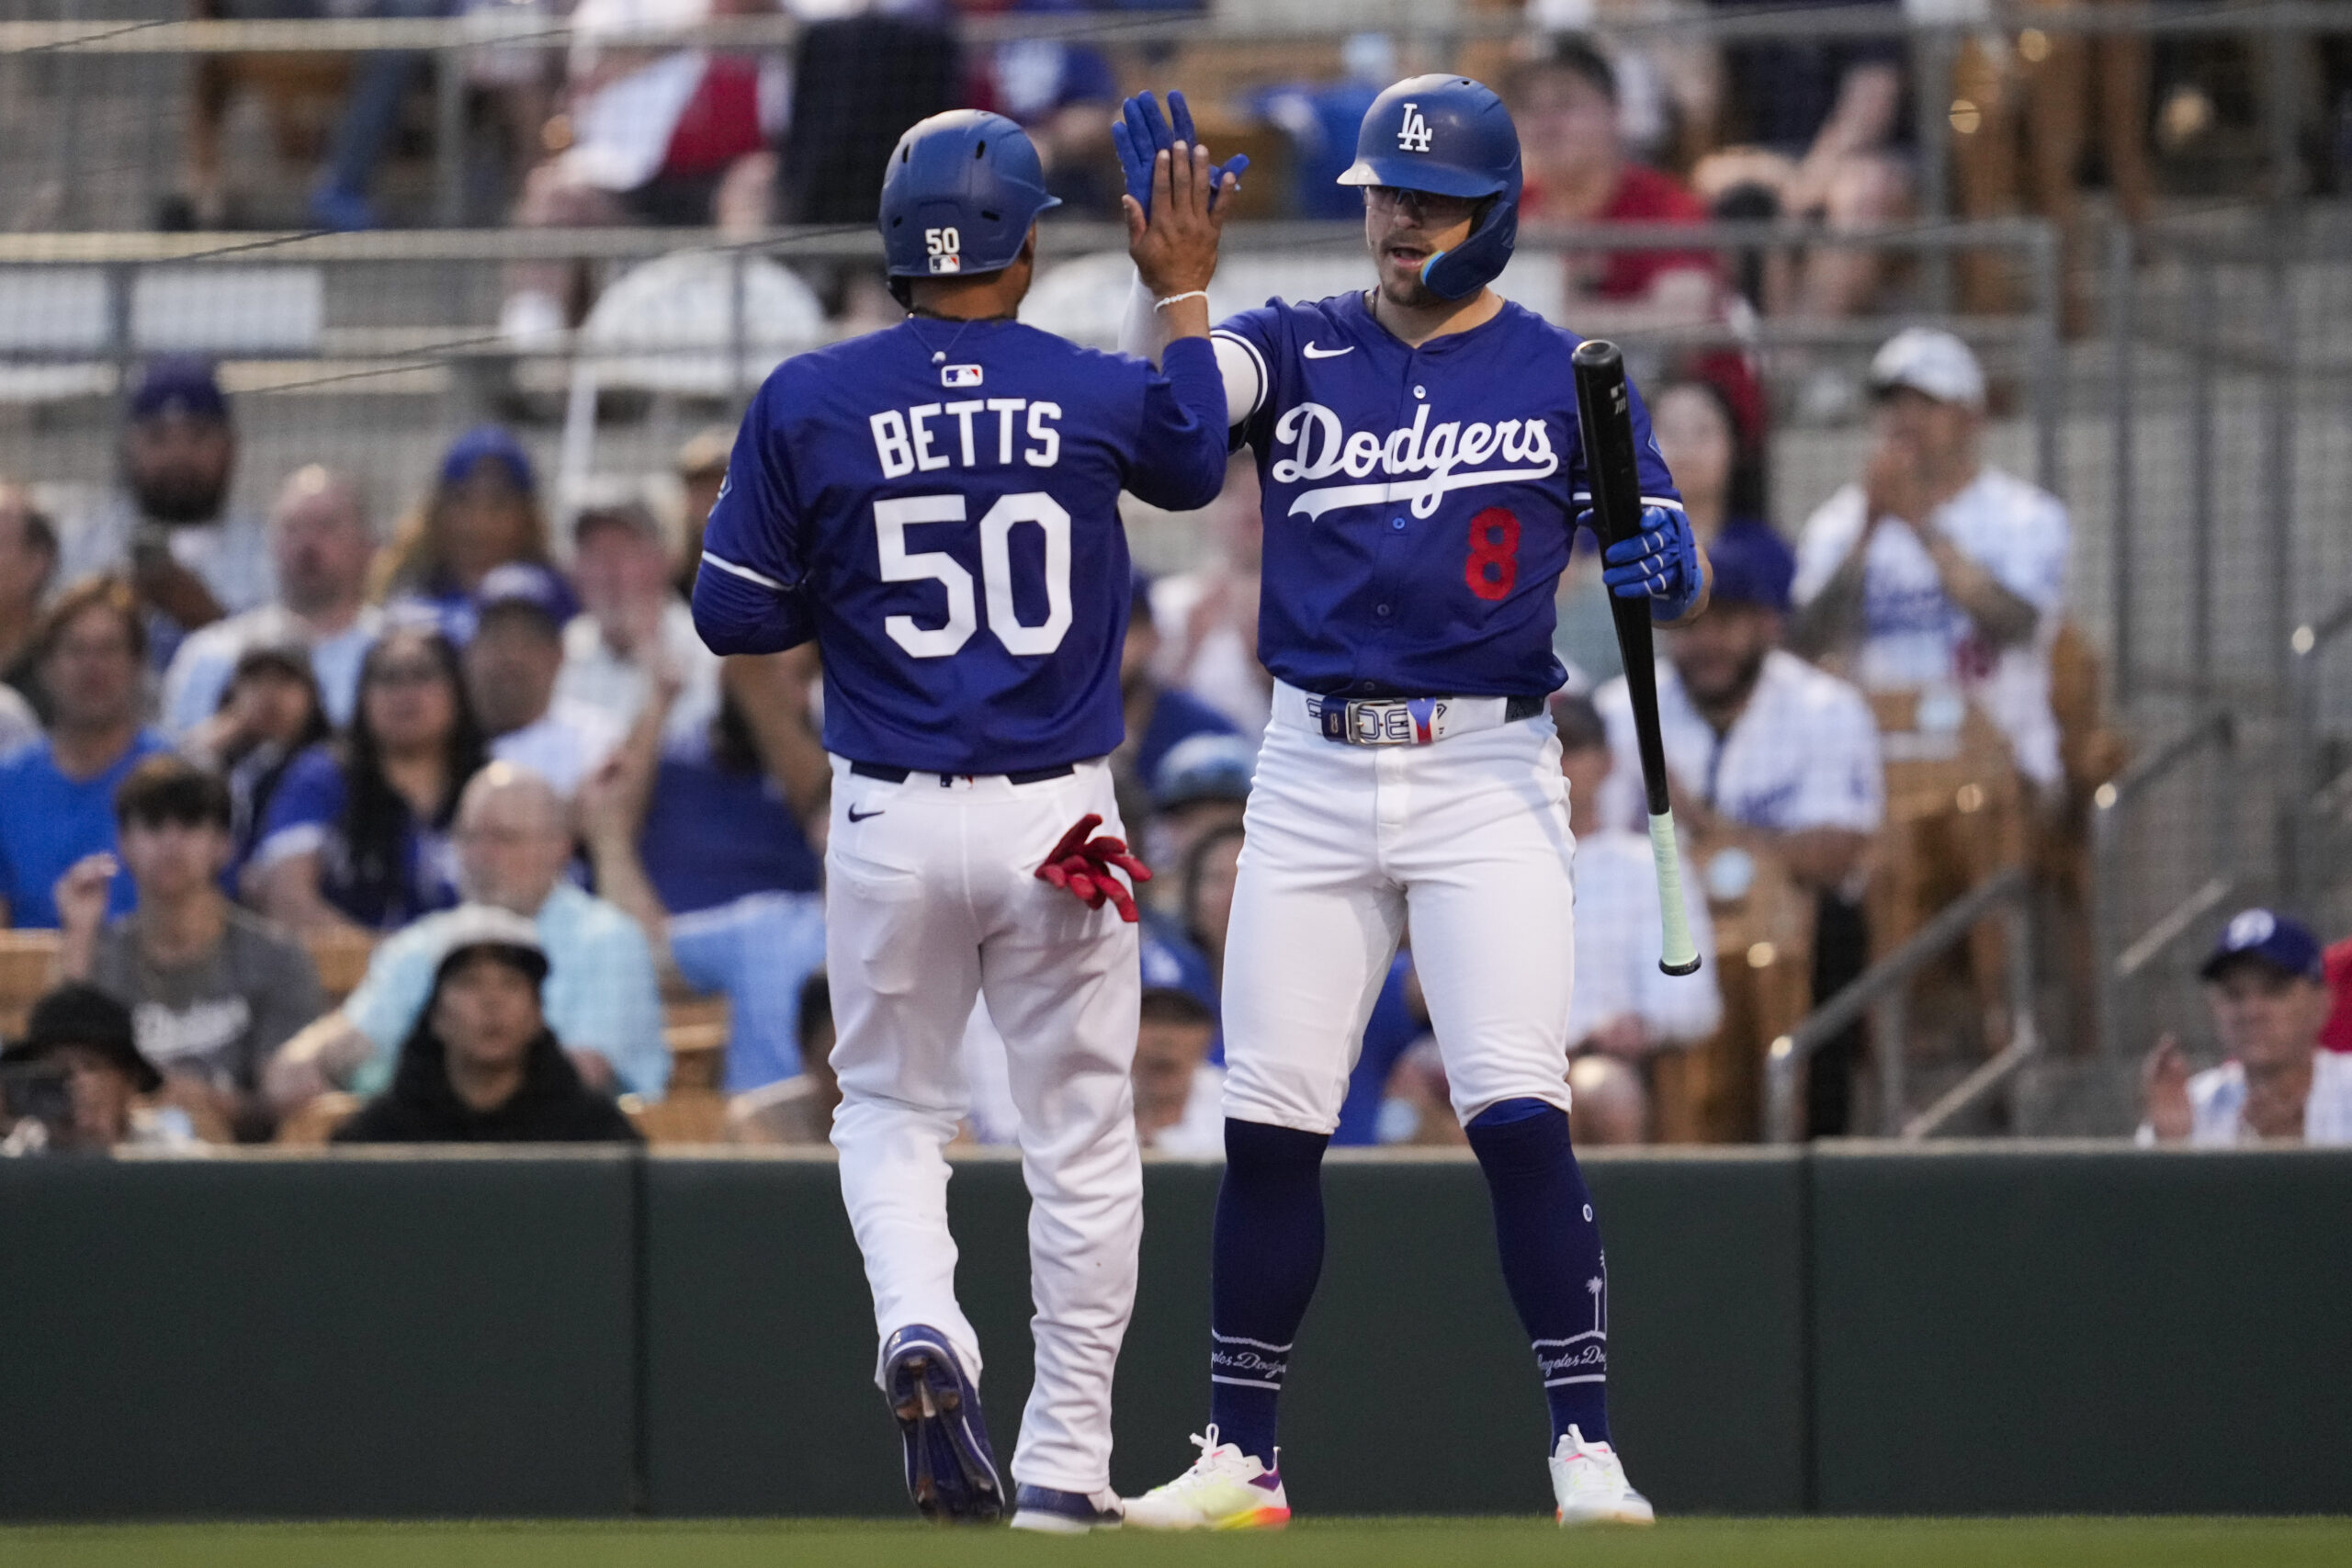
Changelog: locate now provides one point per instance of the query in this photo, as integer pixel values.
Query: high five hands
(1173, 210)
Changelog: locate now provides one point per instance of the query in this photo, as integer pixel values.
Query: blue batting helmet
(961, 192)
(1448, 136)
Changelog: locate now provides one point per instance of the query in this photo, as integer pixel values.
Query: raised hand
(1174, 239)
(1082, 864)
(1141, 134)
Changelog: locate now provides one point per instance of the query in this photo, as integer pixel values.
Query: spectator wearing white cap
(1937, 569)
(2266, 984)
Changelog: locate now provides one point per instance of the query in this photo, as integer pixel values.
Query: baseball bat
(1605, 417)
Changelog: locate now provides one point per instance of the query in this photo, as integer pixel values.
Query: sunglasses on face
(1426, 207)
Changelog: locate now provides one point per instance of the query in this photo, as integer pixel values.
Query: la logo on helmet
(1413, 135)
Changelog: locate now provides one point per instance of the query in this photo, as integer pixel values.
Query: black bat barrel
(1605, 418)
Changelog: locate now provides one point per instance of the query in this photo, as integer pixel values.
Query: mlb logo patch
(946, 263)
(959, 375)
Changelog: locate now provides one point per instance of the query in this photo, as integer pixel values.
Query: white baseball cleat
(1225, 1490)
(1589, 1480)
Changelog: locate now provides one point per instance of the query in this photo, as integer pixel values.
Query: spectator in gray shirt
(213, 990)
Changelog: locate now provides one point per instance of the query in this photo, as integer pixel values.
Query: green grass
(1330, 1543)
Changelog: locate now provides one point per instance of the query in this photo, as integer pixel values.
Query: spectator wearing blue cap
(1758, 741)
(2266, 981)
(484, 514)
(511, 670)
(1767, 753)
(1178, 1087)
(171, 526)
(1202, 786)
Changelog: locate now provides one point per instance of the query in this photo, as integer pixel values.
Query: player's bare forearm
(1175, 248)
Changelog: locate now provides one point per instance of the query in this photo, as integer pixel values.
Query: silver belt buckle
(1381, 721)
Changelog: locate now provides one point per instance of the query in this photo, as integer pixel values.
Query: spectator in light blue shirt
(602, 999)
(57, 794)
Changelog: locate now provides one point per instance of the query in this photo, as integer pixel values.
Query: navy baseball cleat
(951, 1469)
(1050, 1512)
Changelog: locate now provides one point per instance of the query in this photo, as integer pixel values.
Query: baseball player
(936, 504)
(1417, 444)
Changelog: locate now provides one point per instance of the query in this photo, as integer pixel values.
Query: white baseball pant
(931, 899)
(1467, 837)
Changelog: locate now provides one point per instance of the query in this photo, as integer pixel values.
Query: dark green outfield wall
(1856, 1331)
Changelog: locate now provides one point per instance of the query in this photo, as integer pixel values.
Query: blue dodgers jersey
(943, 496)
(1420, 503)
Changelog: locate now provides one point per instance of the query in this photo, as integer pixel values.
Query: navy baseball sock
(1551, 1253)
(1267, 1254)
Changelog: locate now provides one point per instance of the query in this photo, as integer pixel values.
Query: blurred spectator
(371, 116)
(1208, 618)
(602, 999)
(1815, 128)
(1158, 718)
(1400, 1019)
(358, 833)
(320, 547)
(1769, 753)
(740, 818)
(1717, 467)
(57, 794)
(658, 134)
(1178, 1096)
(1762, 746)
(191, 559)
(214, 991)
(798, 1111)
(859, 80)
(480, 1064)
(1937, 569)
(511, 666)
(1625, 1005)
(1321, 120)
(2337, 1034)
(484, 514)
(758, 950)
(2266, 984)
(1202, 787)
(28, 567)
(269, 716)
(1578, 171)
(701, 472)
(77, 1081)
(1064, 95)
(633, 624)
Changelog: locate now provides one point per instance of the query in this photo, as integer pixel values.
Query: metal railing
(1878, 992)
(2308, 804)
(2121, 960)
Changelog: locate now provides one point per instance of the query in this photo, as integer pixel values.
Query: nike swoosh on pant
(857, 816)
(1314, 352)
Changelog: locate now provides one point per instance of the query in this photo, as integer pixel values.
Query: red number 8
(1493, 566)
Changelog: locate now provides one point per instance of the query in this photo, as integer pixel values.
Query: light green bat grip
(1681, 954)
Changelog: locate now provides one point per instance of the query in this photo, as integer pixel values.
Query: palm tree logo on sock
(1592, 1288)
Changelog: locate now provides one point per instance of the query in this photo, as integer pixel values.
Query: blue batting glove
(1660, 563)
(1141, 134)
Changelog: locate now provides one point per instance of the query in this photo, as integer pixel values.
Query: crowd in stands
(483, 745)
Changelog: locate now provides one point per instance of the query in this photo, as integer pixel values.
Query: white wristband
(1188, 294)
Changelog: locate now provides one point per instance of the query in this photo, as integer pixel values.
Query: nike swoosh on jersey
(857, 816)
(1314, 350)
